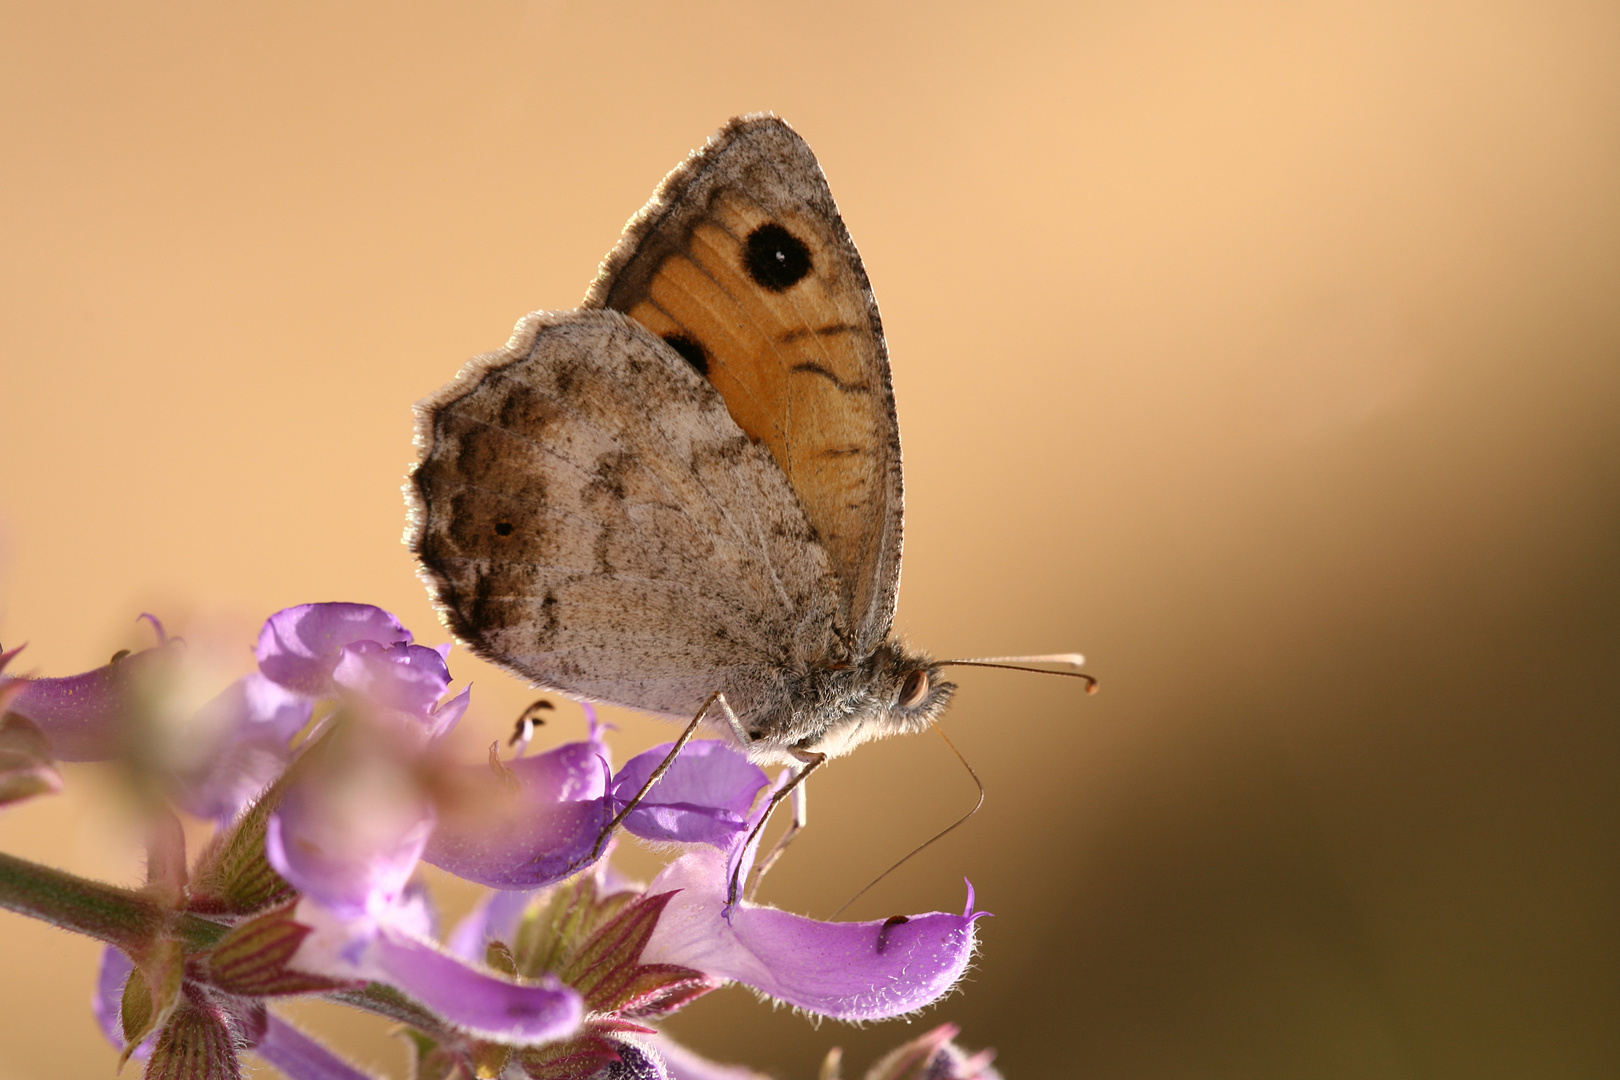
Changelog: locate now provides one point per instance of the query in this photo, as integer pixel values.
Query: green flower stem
(117, 916)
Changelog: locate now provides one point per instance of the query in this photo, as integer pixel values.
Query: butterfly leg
(742, 736)
(657, 774)
(801, 818)
(812, 762)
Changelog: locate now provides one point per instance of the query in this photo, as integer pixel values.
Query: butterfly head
(894, 691)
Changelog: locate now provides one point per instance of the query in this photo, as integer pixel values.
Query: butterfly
(691, 484)
(687, 492)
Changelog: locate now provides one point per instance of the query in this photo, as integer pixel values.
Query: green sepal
(578, 1058)
(233, 876)
(608, 975)
(151, 993)
(552, 933)
(252, 960)
(490, 1059)
(196, 1044)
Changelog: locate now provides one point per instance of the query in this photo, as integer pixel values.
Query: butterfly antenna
(1021, 663)
(920, 848)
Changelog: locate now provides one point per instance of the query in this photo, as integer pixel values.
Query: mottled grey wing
(742, 262)
(589, 516)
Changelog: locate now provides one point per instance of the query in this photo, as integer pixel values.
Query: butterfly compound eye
(776, 258)
(914, 689)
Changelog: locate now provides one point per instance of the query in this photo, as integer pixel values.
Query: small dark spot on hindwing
(775, 258)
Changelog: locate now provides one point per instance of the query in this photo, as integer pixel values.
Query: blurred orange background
(1267, 353)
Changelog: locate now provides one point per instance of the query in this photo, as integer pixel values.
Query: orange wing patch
(769, 310)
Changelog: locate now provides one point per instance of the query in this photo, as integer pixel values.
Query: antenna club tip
(1091, 686)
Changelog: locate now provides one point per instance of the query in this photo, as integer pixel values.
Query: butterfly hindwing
(742, 265)
(590, 516)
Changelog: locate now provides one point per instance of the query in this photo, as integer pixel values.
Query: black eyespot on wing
(914, 689)
(691, 351)
(776, 258)
(503, 528)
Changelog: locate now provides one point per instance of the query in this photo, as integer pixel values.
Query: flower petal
(350, 829)
(26, 766)
(92, 716)
(446, 715)
(409, 678)
(703, 798)
(299, 1057)
(253, 721)
(532, 822)
(300, 646)
(477, 1001)
(850, 971)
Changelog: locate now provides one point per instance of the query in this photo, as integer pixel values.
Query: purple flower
(523, 823)
(349, 830)
(284, 1046)
(311, 887)
(849, 971)
(236, 744)
(27, 768)
(361, 652)
(347, 834)
(704, 797)
(300, 647)
(252, 722)
(88, 717)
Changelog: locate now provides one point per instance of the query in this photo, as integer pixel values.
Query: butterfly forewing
(742, 265)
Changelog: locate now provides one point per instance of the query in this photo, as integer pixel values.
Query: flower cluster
(330, 779)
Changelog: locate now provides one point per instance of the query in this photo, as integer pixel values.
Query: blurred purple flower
(253, 721)
(297, 1055)
(347, 834)
(107, 999)
(304, 653)
(300, 647)
(87, 717)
